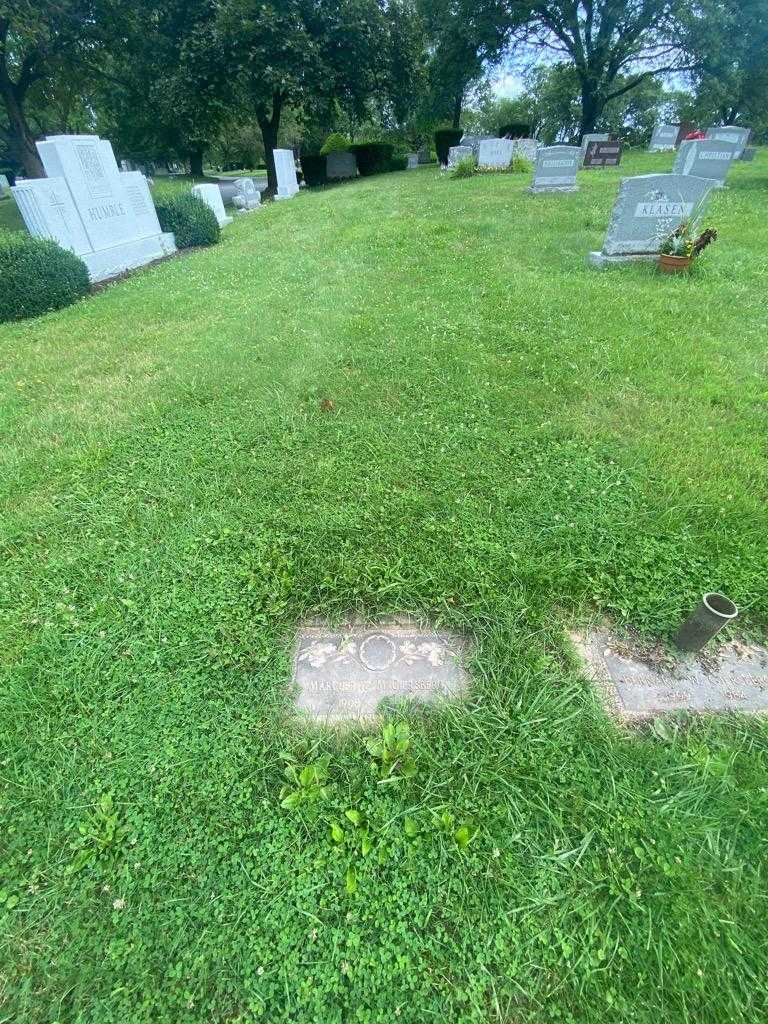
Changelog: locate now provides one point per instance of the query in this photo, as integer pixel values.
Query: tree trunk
(270, 128)
(457, 103)
(196, 162)
(21, 137)
(591, 108)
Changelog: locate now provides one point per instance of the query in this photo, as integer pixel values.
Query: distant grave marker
(456, 153)
(602, 154)
(495, 152)
(731, 133)
(340, 164)
(592, 137)
(343, 674)
(706, 158)
(664, 138)
(285, 169)
(555, 169)
(211, 196)
(648, 209)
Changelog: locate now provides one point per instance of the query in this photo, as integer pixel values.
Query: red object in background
(695, 135)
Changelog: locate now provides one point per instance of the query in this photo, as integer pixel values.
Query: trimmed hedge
(37, 276)
(335, 143)
(515, 130)
(373, 157)
(189, 218)
(314, 169)
(444, 139)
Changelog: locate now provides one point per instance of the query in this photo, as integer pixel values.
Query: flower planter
(674, 264)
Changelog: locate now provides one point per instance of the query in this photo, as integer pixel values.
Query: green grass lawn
(518, 444)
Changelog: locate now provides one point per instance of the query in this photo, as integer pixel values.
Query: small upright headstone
(591, 137)
(424, 155)
(525, 148)
(285, 169)
(340, 164)
(647, 210)
(748, 154)
(602, 154)
(88, 206)
(246, 196)
(495, 152)
(211, 196)
(456, 153)
(706, 158)
(731, 133)
(413, 161)
(555, 169)
(664, 138)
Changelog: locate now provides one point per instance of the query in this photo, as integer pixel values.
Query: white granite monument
(495, 152)
(246, 197)
(647, 210)
(211, 196)
(555, 169)
(88, 206)
(285, 169)
(706, 158)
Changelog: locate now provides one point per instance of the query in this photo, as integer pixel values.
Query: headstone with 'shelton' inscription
(706, 158)
(87, 205)
(648, 209)
(555, 169)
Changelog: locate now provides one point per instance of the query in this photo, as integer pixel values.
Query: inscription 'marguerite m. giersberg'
(344, 674)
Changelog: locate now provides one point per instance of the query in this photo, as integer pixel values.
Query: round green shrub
(335, 143)
(188, 217)
(37, 276)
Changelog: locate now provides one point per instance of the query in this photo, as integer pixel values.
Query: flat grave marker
(637, 687)
(343, 674)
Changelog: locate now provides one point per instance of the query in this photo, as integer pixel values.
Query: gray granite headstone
(555, 169)
(424, 155)
(525, 148)
(664, 138)
(341, 164)
(456, 153)
(706, 158)
(343, 674)
(731, 678)
(647, 210)
(731, 133)
(748, 154)
(413, 161)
